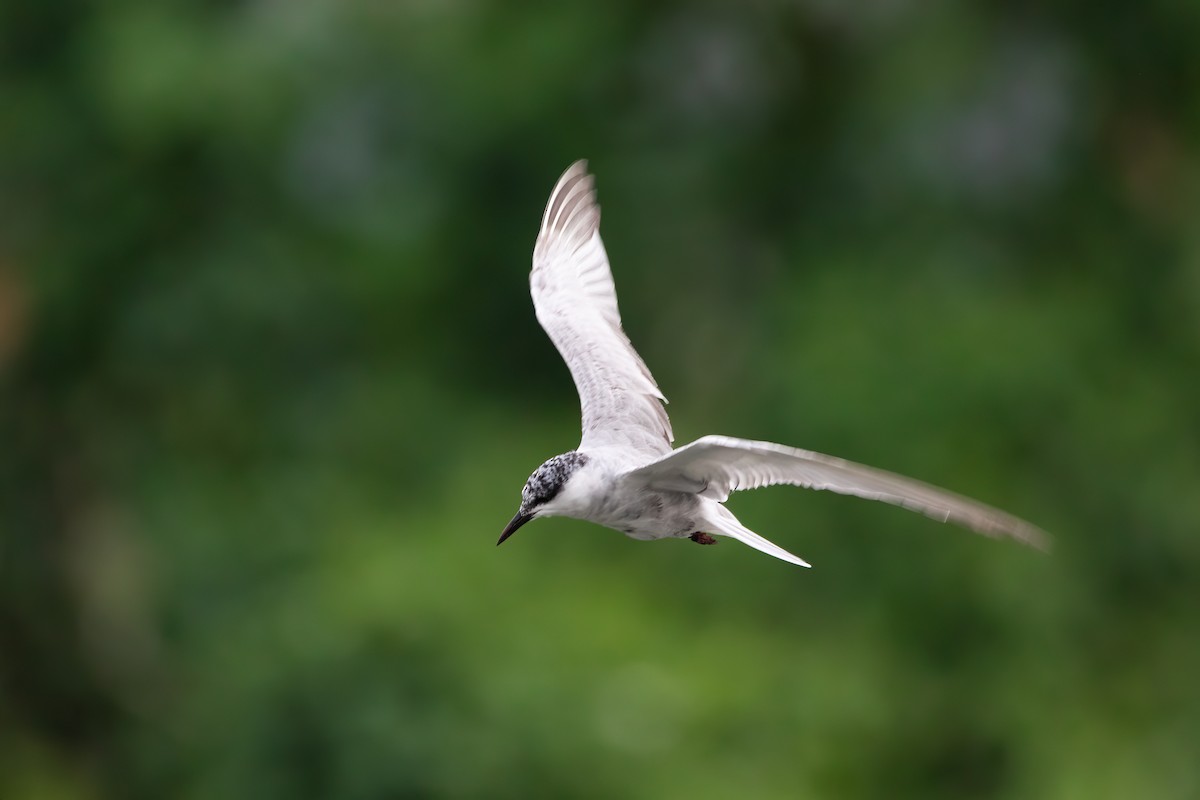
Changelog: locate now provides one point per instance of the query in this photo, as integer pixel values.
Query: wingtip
(578, 167)
(572, 215)
(1038, 539)
(1024, 532)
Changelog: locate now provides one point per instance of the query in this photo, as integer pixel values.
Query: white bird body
(624, 474)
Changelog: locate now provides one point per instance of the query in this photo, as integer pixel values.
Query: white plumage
(576, 303)
(624, 474)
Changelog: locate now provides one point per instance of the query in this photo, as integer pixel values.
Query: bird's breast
(649, 515)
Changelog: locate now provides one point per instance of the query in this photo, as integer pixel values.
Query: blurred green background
(271, 382)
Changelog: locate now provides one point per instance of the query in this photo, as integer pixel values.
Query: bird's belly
(653, 515)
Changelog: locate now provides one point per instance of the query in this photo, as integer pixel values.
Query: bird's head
(543, 492)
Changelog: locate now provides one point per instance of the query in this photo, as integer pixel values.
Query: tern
(624, 474)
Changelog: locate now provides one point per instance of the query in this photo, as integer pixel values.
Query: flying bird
(624, 474)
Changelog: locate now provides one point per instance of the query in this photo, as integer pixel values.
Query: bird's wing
(576, 303)
(714, 466)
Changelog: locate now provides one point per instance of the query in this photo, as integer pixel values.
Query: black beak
(511, 528)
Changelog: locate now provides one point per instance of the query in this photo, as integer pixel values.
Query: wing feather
(576, 303)
(714, 466)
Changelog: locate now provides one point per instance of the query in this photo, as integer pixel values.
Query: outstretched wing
(576, 303)
(714, 466)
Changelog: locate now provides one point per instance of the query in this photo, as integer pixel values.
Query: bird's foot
(702, 538)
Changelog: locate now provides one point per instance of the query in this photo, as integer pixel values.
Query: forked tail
(722, 522)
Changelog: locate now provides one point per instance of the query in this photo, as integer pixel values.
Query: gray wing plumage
(576, 304)
(714, 466)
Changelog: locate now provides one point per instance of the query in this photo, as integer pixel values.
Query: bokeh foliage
(270, 383)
